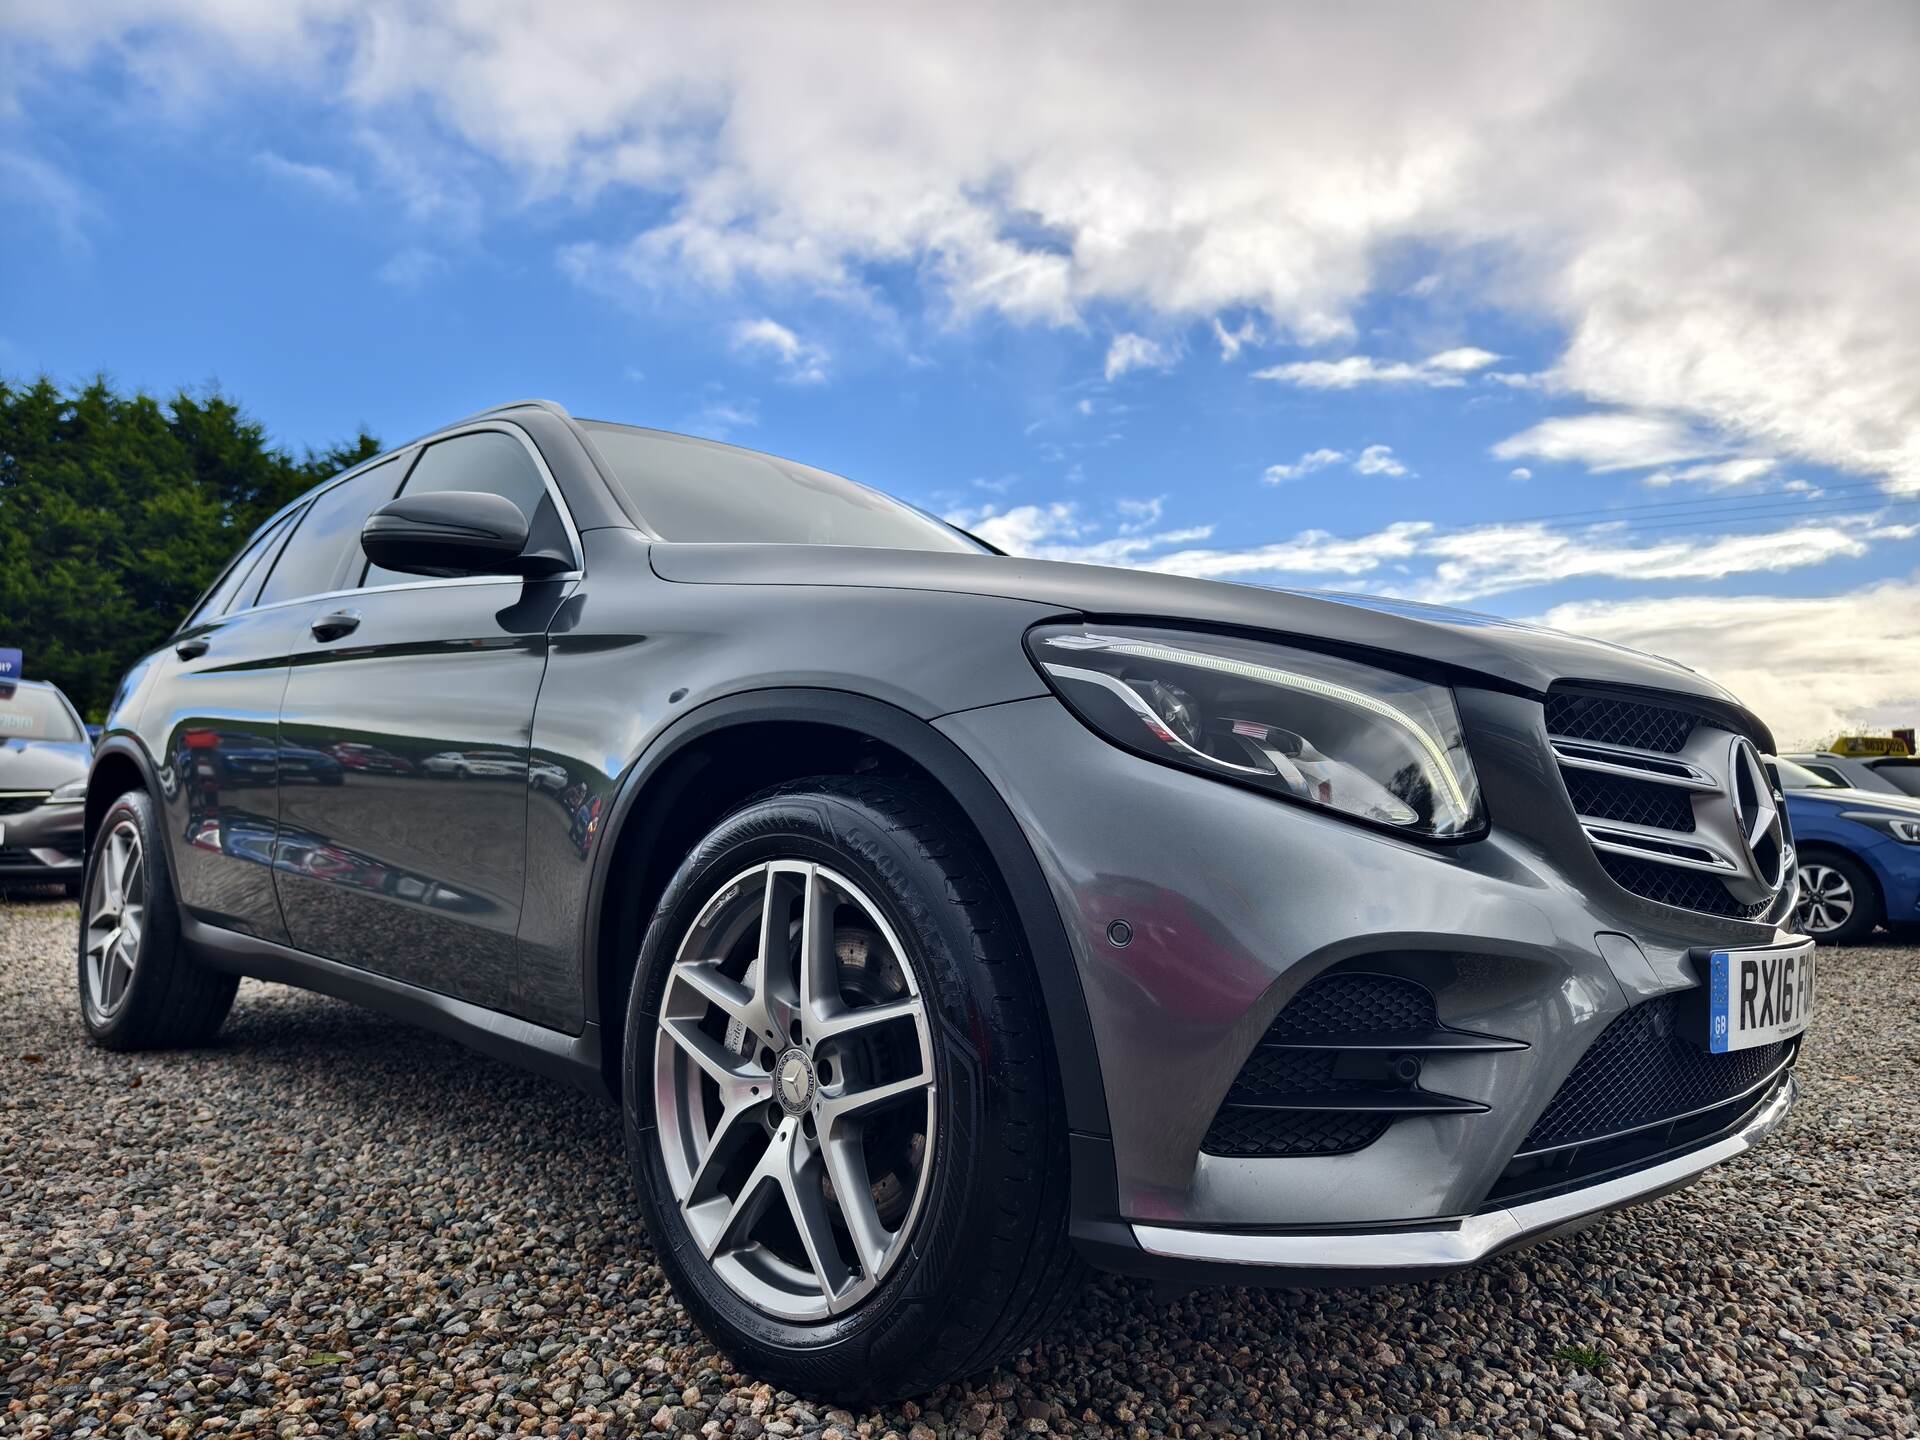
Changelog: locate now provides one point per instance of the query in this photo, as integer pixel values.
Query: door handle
(191, 649)
(336, 623)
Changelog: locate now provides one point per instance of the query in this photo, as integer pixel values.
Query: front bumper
(1236, 901)
(45, 844)
(1359, 1257)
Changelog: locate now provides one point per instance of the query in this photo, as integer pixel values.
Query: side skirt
(574, 1059)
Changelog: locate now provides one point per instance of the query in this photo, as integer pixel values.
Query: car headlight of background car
(74, 792)
(1313, 728)
(1901, 828)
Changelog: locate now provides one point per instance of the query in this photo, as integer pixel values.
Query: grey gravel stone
(331, 1224)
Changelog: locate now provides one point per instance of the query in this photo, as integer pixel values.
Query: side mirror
(455, 532)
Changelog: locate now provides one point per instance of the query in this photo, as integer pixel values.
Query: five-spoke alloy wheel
(841, 1111)
(140, 989)
(115, 917)
(793, 1075)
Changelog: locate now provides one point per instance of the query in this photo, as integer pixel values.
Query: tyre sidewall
(909, 891)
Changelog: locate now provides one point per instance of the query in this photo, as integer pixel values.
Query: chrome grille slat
(1686, 849)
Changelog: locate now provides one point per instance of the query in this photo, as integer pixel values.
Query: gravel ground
(333, 1224)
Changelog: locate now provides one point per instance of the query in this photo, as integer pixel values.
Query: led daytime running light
(1288, 680)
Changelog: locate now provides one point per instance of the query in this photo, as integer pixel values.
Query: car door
(209, 726)
(423, 691)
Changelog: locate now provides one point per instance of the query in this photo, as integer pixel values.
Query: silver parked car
(44, 754)
(941, 922)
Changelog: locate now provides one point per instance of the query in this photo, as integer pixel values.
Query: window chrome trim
(578, 572)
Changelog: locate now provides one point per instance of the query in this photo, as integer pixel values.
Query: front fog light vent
(1338, 1066)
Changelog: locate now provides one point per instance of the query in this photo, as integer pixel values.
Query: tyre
(1839, 903)
(852, 1158)
(139, 989)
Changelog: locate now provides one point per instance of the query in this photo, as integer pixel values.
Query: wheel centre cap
(793, 1081)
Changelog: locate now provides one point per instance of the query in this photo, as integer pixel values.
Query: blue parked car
(1859, 855)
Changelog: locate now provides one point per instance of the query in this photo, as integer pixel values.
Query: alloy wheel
(1826, 899)
(116, 917)
(794, 1091)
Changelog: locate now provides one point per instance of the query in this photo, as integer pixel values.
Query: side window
(243, 576)
(484, 460)
(327, 543)
(1831, 775)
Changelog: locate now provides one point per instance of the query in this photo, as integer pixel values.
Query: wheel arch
(119, 765)
(712, 758)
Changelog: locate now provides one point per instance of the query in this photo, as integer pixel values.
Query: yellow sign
(1869, 745)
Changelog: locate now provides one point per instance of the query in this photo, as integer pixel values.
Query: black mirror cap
(455, 532)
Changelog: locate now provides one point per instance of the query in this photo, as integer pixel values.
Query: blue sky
(1550, 341)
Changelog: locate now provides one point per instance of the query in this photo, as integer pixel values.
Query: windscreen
(1902, 773)
(687, 489)
(30, 713)
(1798, 777)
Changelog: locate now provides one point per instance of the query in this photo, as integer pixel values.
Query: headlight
(1309, 727)
(1907, 832)
(74, 792)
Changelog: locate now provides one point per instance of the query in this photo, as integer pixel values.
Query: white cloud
(1607, 440)
(331, 184)
(1448, 368)
(1811, 667)
(1519, 472)
(1719, 475)
(1308, 463)
(804, 363)
(1136, 352)
(1751, 274)
(1233, 341)
(1378, 460)
(1138, 515)
(1373, 460)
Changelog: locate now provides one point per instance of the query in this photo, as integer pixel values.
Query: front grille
(20, 802)
(1653, 786)
(1643, 1070)
(1637, 802)
(1684, 889)
(1606, 720)
(1321, 1083)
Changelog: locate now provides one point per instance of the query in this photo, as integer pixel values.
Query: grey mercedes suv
(943, 922)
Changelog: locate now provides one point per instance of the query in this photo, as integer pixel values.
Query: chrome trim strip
(1467, 1240)
(1618, 838)
(1633, 764)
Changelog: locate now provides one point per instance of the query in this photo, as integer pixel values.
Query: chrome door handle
(191, 649)
(336, 623)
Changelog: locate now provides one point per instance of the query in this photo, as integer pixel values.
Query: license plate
(1758, 997)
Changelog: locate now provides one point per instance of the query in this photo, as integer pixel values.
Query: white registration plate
(1756, 997)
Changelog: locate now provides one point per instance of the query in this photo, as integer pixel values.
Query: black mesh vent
(1271, 1133)
(1644, 1069)
(20, 804)
(1670, 885)
(1634, 802)
(1346, 1004)
(1607, 721)
(1337, 1004)
(1296, 1071)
